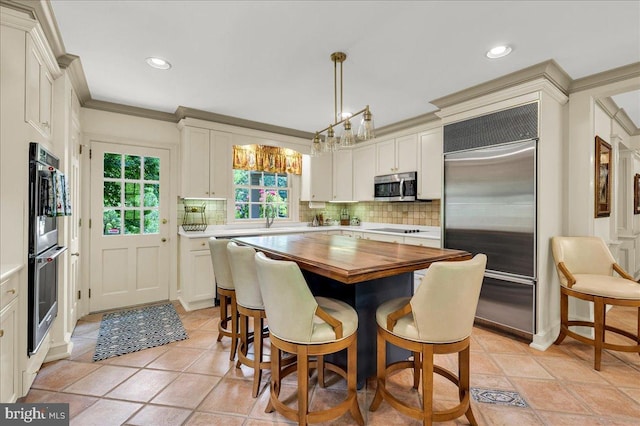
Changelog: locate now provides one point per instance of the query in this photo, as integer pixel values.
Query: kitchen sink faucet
(269, 213)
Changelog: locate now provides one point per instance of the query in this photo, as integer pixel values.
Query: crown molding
(185, 112)
(606, 77)
(413, 122)
(129, 110)
(618, 114)
(549, 70)
(73, 65)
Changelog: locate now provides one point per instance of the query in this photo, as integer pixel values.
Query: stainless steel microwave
(396, 187)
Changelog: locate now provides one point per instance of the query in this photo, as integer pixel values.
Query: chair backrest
(288, 303)
(444, 305)
(582, 255)
(242, 260)
(219, 258)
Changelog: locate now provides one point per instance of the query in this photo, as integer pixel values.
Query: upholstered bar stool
(228, 325)
(249, 302)
(586, 270)
(304, 325)
(438, 319)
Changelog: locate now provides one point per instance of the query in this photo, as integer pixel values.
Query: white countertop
(428, 232)
(8, 269)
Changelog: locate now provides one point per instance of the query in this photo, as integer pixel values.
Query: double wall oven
(47, 200)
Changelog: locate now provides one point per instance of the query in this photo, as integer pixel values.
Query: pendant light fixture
(331, 143)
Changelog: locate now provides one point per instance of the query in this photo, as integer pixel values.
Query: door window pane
(151, 222)
(151, 194)
(112, 165)
(111, 194)
(131, 194)
(151, 168)
(132, 221)
(111, 222)
(132, 167)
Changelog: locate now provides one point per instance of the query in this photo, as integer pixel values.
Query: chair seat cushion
(405, 327)
(323, 332)
(606, 286)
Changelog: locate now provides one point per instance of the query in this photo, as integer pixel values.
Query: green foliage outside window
(257, 192)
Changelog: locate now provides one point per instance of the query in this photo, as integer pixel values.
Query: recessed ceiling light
(158, 63)
(498, 52)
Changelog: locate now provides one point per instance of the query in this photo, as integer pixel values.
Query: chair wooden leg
(598, 319)
(352, 354)
(257, 354)
(243, 348)
(427, 384)
(464, 387)
(381, 371)
(275, 378)
(638, 334)
(320, 363)
(223, 317)
(303, 385)
(564, 317)
(234, 328)
(416, 370)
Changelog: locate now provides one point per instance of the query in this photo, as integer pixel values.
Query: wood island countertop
(350, 260)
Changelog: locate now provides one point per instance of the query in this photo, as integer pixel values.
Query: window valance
(267, 159)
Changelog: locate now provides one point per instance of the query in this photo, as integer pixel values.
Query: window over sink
(258, 193)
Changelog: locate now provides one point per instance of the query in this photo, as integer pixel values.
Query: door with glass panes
(129, 225)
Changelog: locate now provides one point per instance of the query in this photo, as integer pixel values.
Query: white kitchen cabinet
(430, 170)
(206, 163)
(197, 278)
(424, 242)
(9, 368)
(364, 170)
(38, 90)
(397, 155)
(317, 177)
(343, 175)
(398, 239)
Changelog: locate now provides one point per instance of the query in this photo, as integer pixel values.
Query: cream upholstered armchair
(438, 319)
(588, 271)
(306, 326)
(228, 325)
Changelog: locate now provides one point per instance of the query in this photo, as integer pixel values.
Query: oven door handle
(50, 255)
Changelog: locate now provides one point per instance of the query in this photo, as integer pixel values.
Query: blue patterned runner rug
(134, 330)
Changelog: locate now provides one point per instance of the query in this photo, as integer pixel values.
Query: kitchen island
(363, 273)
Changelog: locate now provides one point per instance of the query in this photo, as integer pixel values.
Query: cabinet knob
(12, 291)
(164, 240)
(75, 254)
(1, 333)
(203, 244)
(45, 124)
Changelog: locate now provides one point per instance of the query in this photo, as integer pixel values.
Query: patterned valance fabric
(267, 159)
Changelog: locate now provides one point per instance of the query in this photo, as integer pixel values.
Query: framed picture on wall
(636, 194)
(603, 172)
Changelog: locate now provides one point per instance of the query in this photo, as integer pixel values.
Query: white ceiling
(268, 61)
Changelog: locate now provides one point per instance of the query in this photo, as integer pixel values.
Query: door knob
(75, 254)
(164, 240)
(164, 221)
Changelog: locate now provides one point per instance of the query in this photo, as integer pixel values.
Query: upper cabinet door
(195, 162)
(343, 175)
(38, 91)
(430, 172)
(386, 153)
(364, 170)
(397, 155)
(220, 164)
(407, 154)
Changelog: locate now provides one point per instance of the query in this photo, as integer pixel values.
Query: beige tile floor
(192, 382)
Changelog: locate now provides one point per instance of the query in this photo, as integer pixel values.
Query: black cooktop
(397, 230)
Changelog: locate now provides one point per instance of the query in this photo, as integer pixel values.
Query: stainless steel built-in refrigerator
(490, 207)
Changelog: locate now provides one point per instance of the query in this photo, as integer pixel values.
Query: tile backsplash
(424, 213)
